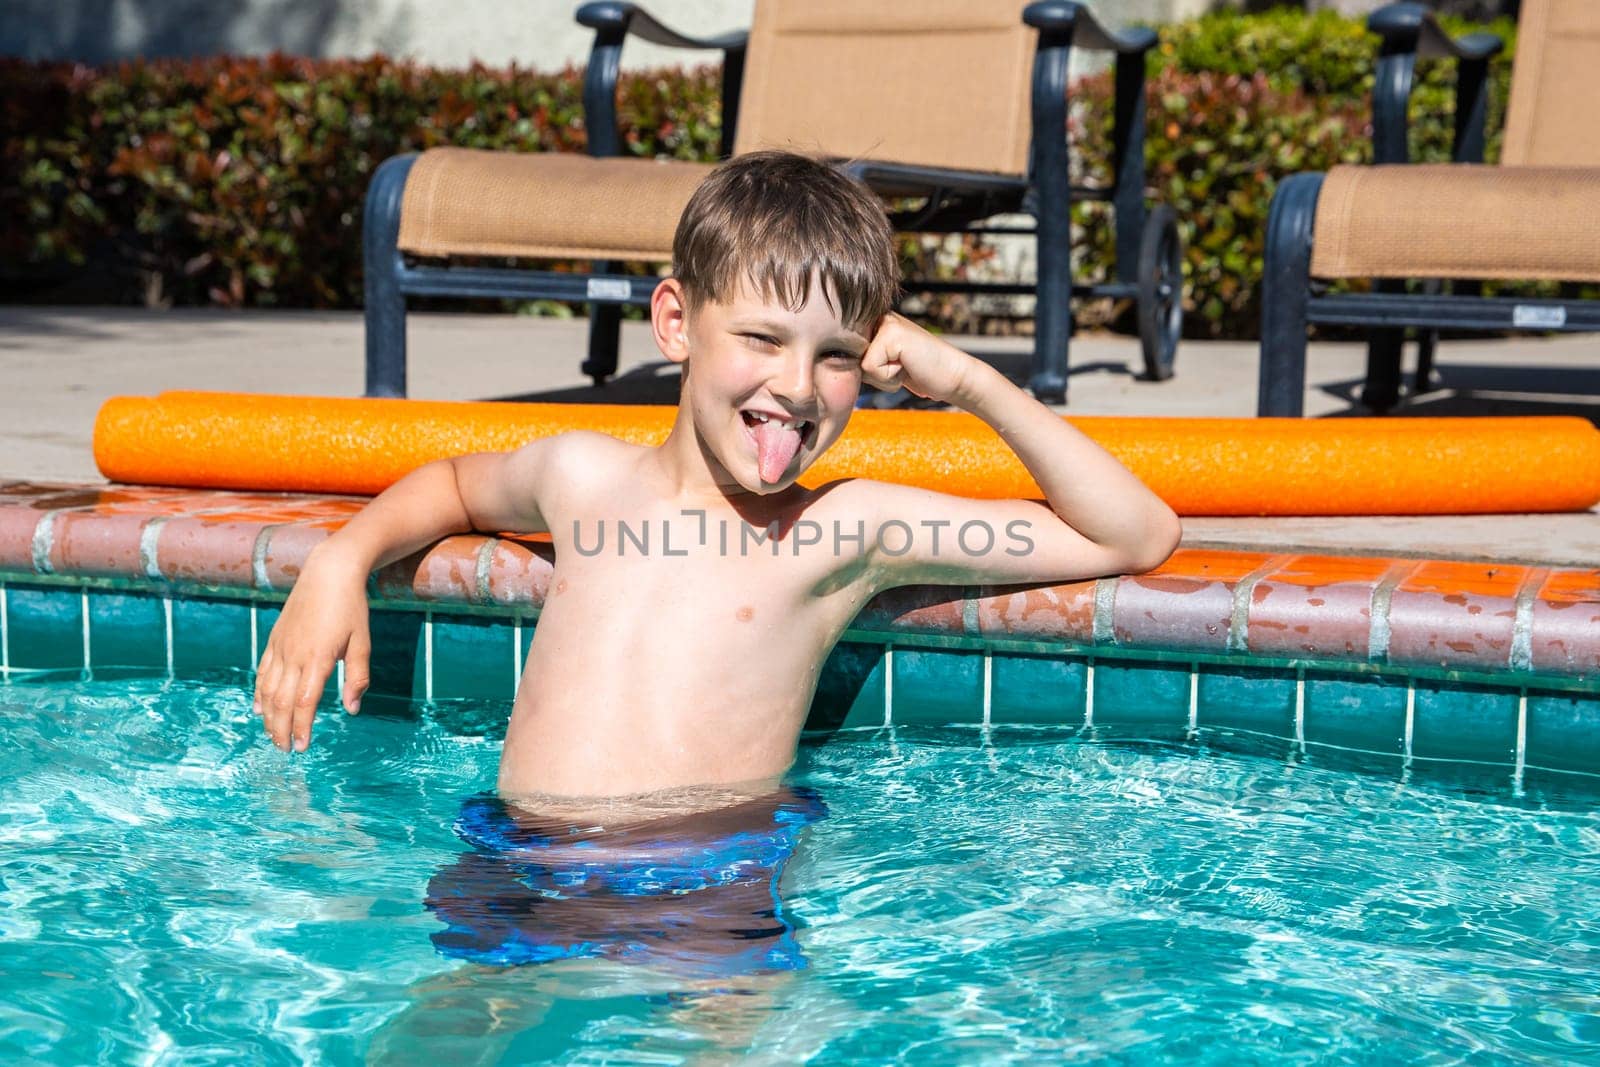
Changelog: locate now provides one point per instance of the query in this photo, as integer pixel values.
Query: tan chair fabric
(466, 202)
(1554, 115)
(1456, 220)
(937, 83)
(941, 83)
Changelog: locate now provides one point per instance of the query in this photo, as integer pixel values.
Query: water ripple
(173, 888)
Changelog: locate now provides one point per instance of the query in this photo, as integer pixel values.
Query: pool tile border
(1563, 627)
(1318, 653)
(1438, 615)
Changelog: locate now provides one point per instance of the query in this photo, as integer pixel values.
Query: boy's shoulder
(850, 497)
(586, 443)
(574, 459)
(578, 451)
(880, 504)
(859, 490)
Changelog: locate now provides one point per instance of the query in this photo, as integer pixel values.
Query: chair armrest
(1066, 16)
(1408, 30)
(1412, 27)
(632, 19)
(613, 21)
(909, 179)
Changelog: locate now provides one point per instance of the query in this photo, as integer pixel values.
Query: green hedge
(239, 182)
(1216, 148)
(1323, 53)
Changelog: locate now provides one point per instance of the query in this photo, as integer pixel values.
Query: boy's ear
(669, 319)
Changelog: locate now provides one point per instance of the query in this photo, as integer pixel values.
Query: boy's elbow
(1165, 532)
(455, 503)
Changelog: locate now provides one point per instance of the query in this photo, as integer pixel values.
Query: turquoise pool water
(172, 889)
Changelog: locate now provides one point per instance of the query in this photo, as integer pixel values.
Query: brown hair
(775, 219)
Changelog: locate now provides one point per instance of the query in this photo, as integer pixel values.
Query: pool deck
(64, 362)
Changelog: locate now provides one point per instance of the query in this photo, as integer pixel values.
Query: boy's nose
(793, 381)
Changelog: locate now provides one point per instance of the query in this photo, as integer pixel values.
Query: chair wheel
(1160, 292)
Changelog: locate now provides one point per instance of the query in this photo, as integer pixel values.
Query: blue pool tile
(210, 635)
(127, 630)
(472, 658)
(1490, 782)
(936, 687)
(472, 718)
(266, 619)
(1144, 695)
(1356, 711)
(44, 627)
(1561, 790)
(1228, 739)
(1046, 690)
(1564, 732)
(1464, 722)
(527, 643)
(1328, 757)
(850, 692)
(1253, 699)
(399, 664)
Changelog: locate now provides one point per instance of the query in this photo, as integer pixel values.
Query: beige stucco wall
(532, 33)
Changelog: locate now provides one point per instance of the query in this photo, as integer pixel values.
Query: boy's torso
(679, 643)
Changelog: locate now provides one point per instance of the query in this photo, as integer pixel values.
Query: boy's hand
(323, 621)
(902, 353)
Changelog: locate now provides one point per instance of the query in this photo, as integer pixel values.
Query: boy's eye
(842, 356)
(761, 340)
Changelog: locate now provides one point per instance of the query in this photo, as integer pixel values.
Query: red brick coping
(1475, 617)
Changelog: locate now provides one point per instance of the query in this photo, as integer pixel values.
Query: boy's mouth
(777, 438)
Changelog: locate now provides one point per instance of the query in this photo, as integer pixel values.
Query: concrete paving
(62, 363)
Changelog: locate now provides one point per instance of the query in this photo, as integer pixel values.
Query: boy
(692, 662)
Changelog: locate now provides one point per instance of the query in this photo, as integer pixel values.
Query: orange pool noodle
(1391, 466)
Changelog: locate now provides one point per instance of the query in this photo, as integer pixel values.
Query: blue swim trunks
(697, 895)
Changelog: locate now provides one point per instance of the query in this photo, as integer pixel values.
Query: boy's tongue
(775, 448)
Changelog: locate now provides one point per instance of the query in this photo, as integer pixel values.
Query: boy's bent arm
(1086, 486)
(325, 617)
(1101, 519)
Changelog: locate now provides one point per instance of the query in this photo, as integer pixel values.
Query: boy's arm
(325, 617)
(1100, 520)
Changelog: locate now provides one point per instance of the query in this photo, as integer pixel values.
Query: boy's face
(768, 389)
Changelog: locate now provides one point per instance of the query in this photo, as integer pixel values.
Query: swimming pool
(172, 886)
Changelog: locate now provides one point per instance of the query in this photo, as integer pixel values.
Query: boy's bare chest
(701, 572)
(653, 543)
(700, 578)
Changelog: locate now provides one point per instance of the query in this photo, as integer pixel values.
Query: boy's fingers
(266, 673)
(305, 705)
(357, 671)
(876, 370)
(279, 707)
(879, 368)
(879, 380)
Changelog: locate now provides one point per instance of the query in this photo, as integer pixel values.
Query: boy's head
(780, 223)
(782, 268)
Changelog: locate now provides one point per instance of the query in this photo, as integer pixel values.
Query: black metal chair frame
(1291, 300)
(1148, 251)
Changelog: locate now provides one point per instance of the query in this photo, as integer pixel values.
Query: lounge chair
(958, 104)
(1534, 215)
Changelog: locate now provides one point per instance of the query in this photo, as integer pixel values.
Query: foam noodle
(1392, 466)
